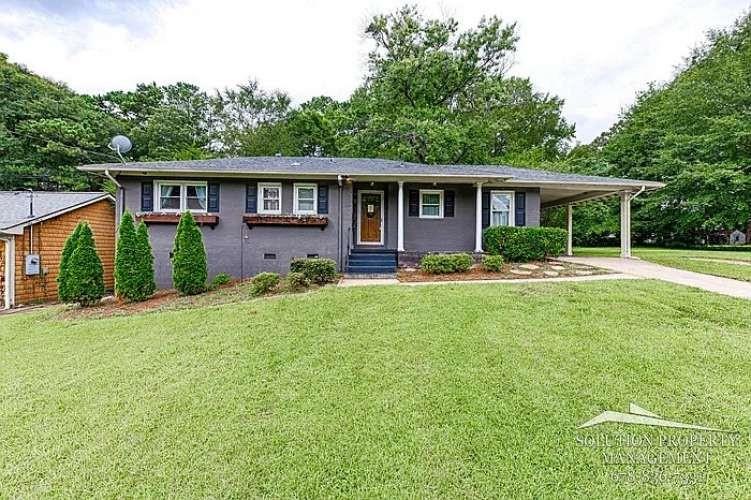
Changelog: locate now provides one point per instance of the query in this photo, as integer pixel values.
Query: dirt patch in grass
(512, 271)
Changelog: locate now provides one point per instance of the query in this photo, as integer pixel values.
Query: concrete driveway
(636, 267)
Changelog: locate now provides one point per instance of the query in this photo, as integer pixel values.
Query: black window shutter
(147, 196)
(414, 203)
(323, 198)
(448, 204)
(213, 197)
(485, 209)
(520, 208)
(251, 198)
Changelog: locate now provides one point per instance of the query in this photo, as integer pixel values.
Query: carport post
(570, 230)
(625, 225)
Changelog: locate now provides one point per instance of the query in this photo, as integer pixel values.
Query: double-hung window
(306, 199)
(501, 208)
(269, 198)
(181, 196)
(431, 203)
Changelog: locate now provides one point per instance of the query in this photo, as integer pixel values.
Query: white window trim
(183, 196)
(261, 186)
(511, 207)
(296, 208)
(440, 203)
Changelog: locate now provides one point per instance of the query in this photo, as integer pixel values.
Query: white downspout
(121, 190)
(10, 275)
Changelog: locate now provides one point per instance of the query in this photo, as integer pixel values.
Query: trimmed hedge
(297, 280)
(316, 270)
(523, 244)
(189, 271)
(493, 262)
(445, 263)
(263, 283)
(219, 280)
(134, 262)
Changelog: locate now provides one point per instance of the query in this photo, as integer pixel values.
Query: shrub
(522, 244)
(126, 259)
(145, 263)
(189, 271)
(85, 279)
(317, 270)
(297, 280)
(219, 280)
(63, 292)
(263, 283)
(493, 262)
(444, 263)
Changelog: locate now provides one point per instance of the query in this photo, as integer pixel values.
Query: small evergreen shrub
(523, 244)
(445, 263)
(189, 272)
(63, 292)
(126, 260)
(85, 279)
(145, 263)
(263, 283)
(317, 270)
(493, 263)
(297, 280)
(219, 280)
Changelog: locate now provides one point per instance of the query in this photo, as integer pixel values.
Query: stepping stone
(531, 267)
(550, 273)
(521, 272)
(557, 268)
(583, 273)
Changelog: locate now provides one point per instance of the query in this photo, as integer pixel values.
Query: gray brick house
(258, 213)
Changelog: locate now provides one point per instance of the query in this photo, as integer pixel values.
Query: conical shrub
(189, 271)
(145, 263)
(85, 274)
(71, 243)
(126, 259)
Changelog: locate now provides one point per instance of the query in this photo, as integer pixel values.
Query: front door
(370, 209)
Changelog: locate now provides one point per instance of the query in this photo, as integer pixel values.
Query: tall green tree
(145, 263)
(85, 276)
(126, 259)
(189, 271)
(435, 94)
(63, 288)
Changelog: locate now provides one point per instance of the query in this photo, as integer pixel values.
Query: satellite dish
(121, 144)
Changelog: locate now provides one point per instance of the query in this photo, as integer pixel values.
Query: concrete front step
(349, 275)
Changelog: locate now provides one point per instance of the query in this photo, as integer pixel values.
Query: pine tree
(71, 243)
(85, 279)
(189, 271)
(145, 263)
(126, 259)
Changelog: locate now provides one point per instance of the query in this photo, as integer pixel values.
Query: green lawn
(700, 261)
(434, 391)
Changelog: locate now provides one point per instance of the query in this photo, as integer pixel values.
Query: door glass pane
(196, 197)
(169, 197)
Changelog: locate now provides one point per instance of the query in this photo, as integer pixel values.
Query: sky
(594, 54)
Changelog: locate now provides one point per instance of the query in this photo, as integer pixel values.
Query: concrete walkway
(636, 267)
(347, 282)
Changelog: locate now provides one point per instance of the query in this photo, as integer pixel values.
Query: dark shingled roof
(284, 165)
(14, 205)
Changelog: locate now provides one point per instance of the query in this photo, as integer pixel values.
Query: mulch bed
(479, 273)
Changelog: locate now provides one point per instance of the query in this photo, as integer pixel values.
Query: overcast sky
(594, 54)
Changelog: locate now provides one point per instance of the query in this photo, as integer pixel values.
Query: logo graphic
(639, 416)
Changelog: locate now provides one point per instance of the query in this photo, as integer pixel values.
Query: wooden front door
(371, 218)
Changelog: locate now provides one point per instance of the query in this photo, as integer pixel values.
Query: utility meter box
(32, 264)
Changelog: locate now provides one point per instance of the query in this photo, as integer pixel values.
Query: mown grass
(700, 261)
(435, 391)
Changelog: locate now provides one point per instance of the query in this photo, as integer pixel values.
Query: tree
(85, 277)
(63, 287)
(434, 94)
(189, 272)
(126, 259)
(145, 263)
